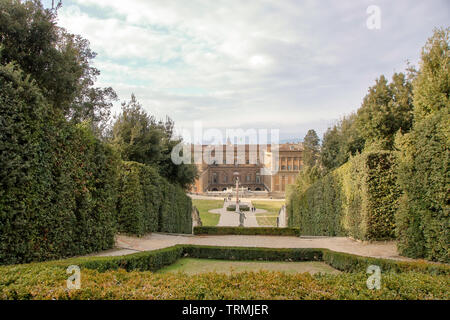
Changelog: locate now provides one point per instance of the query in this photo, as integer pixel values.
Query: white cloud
(244, 63)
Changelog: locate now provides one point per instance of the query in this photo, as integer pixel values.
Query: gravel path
(155, 241)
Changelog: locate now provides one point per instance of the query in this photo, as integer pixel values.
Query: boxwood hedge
(128, 277)
(155, 260)
(263, 231)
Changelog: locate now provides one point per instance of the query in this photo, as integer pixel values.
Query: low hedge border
(157, 259)
(242, 208)
(265, 231)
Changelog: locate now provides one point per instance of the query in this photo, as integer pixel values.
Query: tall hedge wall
(148, 203)
(57, 182)
(359, 199)
(423, 217)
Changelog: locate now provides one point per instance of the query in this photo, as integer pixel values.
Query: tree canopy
(311, 148)
(59, 62)
(141, 138)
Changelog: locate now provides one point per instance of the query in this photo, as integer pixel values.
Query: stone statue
(241, 219)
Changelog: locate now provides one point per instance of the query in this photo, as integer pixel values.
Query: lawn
(203, 206)
(272, 208)
(196, 266)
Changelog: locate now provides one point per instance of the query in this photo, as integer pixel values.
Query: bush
(264, 231)
(252, 254)
(144, 261)
(58, 182)
(359, 200)
(157, 259)
(148, 203)
(106, 278)
(352, 263)
(241, 207)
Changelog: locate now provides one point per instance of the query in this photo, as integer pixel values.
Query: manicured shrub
(359, 200)
(250, 254)
(144, 261)
(241, 207)
(57, 181)
(50, 283)
(127, 277)
(148, 203)
(264, 231)
(352, 263)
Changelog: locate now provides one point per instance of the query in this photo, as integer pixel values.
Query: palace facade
(258, 168)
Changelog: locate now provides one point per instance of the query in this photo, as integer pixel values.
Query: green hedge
(423, 218)
(242, 208)
(57, 181)
(155, 260)
(148, 203)
(359, 200)
(126, 278)
(252, 254)
(143, 261)
(264, 231)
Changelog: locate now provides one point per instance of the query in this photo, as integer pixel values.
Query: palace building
(260, 170)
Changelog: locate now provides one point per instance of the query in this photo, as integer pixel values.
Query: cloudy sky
(280, 64)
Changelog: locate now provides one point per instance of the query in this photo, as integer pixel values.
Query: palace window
(249, 178)
(258, 178)
(215, 180)
(225, 178)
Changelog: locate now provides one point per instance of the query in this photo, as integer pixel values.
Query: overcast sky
(289, 65)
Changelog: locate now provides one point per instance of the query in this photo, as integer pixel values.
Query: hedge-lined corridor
(64, 192)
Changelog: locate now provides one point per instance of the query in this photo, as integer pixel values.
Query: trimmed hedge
(423, 220)
(106, 278)
(252, 254)
(148, 203)
(58, 183)
(359, 200)
(263, 231)
(157, 259)
(241, 207)
(143, 261)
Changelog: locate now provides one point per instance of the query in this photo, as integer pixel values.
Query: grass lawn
(203, 206)
(272, 208)
(196, 266)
